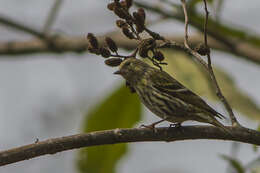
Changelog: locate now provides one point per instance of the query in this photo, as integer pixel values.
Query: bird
(165, 96)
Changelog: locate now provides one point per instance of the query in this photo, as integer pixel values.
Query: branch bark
(47, 45)
(65, 44)
(21, 27)
(52, 146)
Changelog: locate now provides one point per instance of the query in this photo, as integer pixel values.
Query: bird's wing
(168, 85)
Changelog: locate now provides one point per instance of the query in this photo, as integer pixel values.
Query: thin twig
(155, 35)
(208, 65)
(52, 146)
(206, 23)
(212, 75)
(52, 16)
(186, 37)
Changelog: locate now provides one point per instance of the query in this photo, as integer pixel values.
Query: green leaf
(235, 164)
(120, 110)
(195, 78)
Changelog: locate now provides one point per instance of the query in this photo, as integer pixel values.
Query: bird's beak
(118, 72)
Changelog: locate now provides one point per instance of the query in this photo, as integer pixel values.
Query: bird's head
(132, 69)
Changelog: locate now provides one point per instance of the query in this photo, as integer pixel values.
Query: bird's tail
(218, 124)
(210, 118)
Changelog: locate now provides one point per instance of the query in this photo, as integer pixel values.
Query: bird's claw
(151, 126)
(175, 125)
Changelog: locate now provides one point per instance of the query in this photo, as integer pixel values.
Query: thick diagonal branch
(55, 145)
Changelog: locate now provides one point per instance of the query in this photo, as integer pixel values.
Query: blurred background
(45, 94)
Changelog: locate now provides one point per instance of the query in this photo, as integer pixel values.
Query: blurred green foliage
(222, 30)
(192, 76)
(120, 110)
(235, 164)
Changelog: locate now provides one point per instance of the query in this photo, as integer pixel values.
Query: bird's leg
(175, 126)
(152, 126)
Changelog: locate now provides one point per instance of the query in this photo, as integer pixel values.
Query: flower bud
(123, 4)
(146, 45)
(92, 40)
(158, 55)
(113, 62)
(111, 44)
(121, 23)
(138, 18)
(143, 52)
(127, 33)
(111, 6)
(122, 13)
(202, 49)
(129, 3)
(139, 28)
(104, 52)
(141, 12)
(93, 50)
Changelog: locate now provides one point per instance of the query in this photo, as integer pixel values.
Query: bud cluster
(105, 51)
(131, 25)
(202, 49)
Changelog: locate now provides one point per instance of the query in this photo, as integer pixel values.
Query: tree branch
(79, 44)
(48, 45)
(241, 49)
(52, 146)
(19, 26)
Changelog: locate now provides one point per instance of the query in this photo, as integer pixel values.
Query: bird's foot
(175, 125)
(151, 126)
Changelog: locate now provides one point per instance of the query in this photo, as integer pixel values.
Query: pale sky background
(46, 95)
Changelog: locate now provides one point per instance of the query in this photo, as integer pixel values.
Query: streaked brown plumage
(165, 96)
